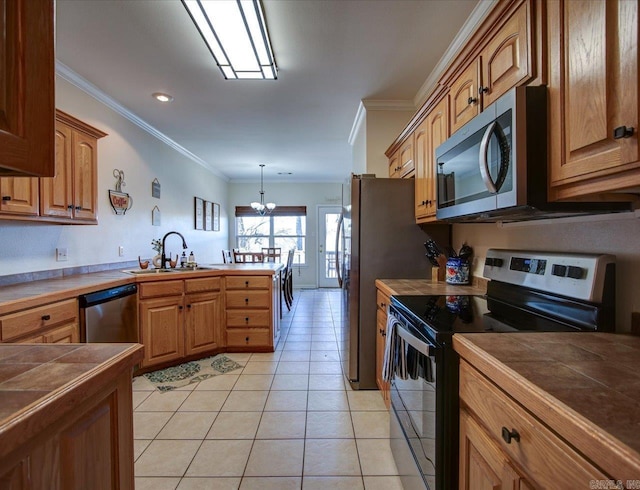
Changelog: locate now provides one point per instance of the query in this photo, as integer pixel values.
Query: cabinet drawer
(248, 282)
(248, 299)
(248, 318)
(160, 288)
(43, 317)
(544, 455)
(202, 284)
(383, 300)
(249, 337)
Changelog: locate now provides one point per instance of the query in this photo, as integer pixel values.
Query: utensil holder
(457, 271)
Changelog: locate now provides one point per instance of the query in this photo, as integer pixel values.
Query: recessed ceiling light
(162, 97)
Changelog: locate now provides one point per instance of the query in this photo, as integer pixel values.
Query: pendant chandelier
(260, 207)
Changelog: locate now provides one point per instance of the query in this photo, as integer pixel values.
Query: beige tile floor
(285, 420)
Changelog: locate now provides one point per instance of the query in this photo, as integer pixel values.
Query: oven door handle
(425, 348)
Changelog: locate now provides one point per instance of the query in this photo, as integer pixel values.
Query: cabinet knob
(6, 198)
(188, 306)
(622, 132)
(246, 283)
(246, 320)
(70, 206)
(383, 305)
(482, 90)
(46, 317)
(509, 435)
(383, 333)
(246, 300)
(472, 100)
(246, 339)
(78, 208)
(180, 307)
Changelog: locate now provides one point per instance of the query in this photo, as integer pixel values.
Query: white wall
(611, 235)
(31, 247)
(295, 194)
(383, 127)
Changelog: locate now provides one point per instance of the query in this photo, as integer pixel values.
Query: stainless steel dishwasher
(110, 315)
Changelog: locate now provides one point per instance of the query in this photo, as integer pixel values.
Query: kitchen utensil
(432, 251)
(465, 252)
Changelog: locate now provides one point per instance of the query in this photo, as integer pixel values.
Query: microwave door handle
(483, 162)
(338, 233)
(417, 344)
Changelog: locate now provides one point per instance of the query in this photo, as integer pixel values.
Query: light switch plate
(61, 254)
(121, 251)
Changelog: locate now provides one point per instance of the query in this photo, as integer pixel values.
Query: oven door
(413, 400)
(476, 165)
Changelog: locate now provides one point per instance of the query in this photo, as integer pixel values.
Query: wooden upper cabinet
(431, 133)
(27, 78)
(406, 161)
(394, 167)
(72, 193)
(19, 195)
(503, 63)
(593, 97)
(464, 103)
(506, 60)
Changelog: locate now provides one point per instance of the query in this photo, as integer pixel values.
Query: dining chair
(247, 257)
(227, 258)
(271, 254)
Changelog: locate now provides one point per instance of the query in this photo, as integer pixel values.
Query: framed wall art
(216, 217)
(208, 211)
(199, 213)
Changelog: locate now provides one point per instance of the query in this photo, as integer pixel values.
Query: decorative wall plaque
(199, 213)
(155, 188)
(121, 202)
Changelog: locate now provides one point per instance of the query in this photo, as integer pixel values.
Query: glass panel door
(328, 218)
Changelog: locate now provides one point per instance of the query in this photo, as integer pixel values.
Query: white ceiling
(331, 54)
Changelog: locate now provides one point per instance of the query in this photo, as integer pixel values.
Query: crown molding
(376, 105)
(478, 14)
(66, 73)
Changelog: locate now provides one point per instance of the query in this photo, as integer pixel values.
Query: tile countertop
(35, 293)
(38, 383)
(585, 386)
(397, 287)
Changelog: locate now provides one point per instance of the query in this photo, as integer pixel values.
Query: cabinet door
(593, 91)
(67, 334)
(464, 103)
(421, 151)
(56, 195)
(202, 322)
(394, 166)
(406, 162)
(19, 195)
(161, 329)
(27, 86)
(85, 158)
(437, 133)
(483, 465)
(506, 61)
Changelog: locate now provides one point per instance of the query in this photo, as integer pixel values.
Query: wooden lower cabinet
(89, 446)
(252, 313)
(53, 323)
(503, 446)
(381, 337)
(180, 323)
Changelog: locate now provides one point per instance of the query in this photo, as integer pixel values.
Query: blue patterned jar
(457, 271)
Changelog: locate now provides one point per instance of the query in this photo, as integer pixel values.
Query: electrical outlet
(121, 251)
(61, 254)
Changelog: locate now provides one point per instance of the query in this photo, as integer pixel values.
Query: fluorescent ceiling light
(236, 34)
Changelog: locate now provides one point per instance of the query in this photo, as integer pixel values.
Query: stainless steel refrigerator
(377, 239)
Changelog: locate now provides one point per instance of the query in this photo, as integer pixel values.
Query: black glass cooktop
(445, 315)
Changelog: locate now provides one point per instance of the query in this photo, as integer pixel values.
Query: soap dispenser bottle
(183, 260)
(192, 259)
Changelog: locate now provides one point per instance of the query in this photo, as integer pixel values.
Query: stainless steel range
(528, 291)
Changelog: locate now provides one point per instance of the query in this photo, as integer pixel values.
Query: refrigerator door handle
(338, 233)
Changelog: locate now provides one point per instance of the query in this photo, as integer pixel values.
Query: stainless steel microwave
(494, 168)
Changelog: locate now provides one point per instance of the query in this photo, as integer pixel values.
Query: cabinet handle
(78, 208)
(472, 100)
(622, 132)
(383, 333)
(6, 198)
(482, 90)
(383, 305)
(180, 307)
(509, 435)
(70, 206)
(46, 317)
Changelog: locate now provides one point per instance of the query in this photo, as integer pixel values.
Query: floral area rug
(191, 372)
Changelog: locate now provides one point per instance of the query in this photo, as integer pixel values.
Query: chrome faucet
(163, 257)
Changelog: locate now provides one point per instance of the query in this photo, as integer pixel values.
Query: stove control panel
(579, 276)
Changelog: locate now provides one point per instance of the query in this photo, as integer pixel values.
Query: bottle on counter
(183, 260)
(192, 259)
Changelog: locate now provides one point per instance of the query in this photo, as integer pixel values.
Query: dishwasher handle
(98, 297)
